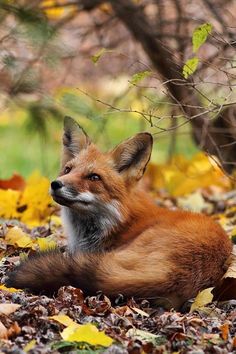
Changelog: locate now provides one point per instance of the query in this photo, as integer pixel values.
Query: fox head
(89, 179)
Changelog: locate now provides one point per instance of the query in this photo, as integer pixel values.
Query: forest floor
(71, 323)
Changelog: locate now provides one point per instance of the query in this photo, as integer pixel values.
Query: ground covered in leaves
(71, 323)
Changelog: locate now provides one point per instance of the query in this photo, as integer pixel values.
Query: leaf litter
(72, 323)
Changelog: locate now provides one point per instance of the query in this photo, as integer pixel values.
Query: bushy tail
(113, 273)
(138, 273)
(44, 272)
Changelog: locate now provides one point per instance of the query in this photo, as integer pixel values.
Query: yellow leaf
(63, 319)
(86, 333)
(10, 290)
(37, 199)
(16, 237)
(194, 202)
(181, 176)
(45, 243)
(32, 205)
(202, 299)
(8, 203)
(29, 346)
(56, 220)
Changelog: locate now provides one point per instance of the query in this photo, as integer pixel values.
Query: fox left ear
(131, 156)
(74, 139)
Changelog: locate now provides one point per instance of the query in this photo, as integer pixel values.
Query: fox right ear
(74, 139)
(131, 156)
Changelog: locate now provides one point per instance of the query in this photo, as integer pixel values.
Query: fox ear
(132, 155)
(74, 139)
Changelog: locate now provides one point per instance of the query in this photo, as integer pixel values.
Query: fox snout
(61, 193)
(66, 194)
(55, 185)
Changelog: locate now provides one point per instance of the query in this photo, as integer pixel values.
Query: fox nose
(56, 185)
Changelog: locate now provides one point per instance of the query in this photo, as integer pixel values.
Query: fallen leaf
(140, 312)
(17, 238)
(37, 199)
(224, 331)
(226, 289)
(45, 243)
(63, 319)
(181, 176)
(3, 331)
(16, 182)
(142, 335)
(32, 205)
(202, 299)
(29, 346)
(10, 290)
(7, 309)
(213, 338)
(14, 330)
(86, 333)
(194, 202)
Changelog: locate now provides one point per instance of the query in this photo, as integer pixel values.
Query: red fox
(120, 241)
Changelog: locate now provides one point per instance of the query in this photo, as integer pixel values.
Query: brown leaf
(16, 182)
(226, 289)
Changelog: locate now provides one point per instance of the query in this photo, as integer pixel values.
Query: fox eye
(94, 177)
(67, 170)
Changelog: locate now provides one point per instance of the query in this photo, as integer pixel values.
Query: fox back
(119, 240)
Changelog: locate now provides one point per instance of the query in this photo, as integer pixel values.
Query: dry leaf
(226, 289)
(63, 319)
(10, 290)
(194, 202)
(142, 335)
(7, 309)
(14, 330)
(202, 299)
(140, 312)
(29, 346)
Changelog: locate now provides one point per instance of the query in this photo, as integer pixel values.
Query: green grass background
(24, 149)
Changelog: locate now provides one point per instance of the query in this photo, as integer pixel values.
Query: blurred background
(117, 67)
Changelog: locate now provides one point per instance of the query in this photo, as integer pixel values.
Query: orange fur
(146, 251)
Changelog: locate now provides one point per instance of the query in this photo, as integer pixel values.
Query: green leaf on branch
(190, 67)
(96, 57)
(200, 35)
(136, 78)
